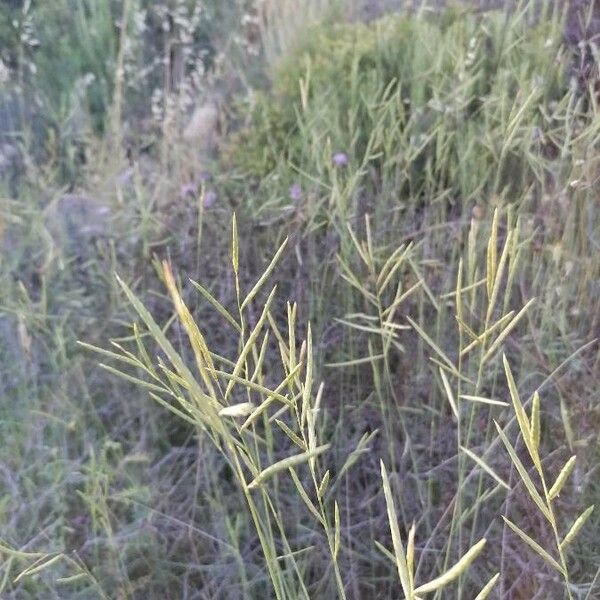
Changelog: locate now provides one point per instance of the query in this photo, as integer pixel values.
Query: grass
(367, 367)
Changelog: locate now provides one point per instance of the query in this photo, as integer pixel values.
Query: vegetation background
(421, 184)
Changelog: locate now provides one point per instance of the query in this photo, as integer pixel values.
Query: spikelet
(562, 478)
(454, 571)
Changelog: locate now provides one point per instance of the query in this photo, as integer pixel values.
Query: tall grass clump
(264, 414)
(424, 105)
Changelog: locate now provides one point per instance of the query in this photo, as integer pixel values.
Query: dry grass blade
(485, 467)
(263, 278)
(521, 415)
(392, 262)
(449, 393)
(307, 501)
(562, 478)
(323, 485)
(431, 343)
(356, 361)
(423, 283)
(114, 355)
(145, 384)
(518, 406)
(361, 448)
(286, 463)
(576, 527)
(271, 397)
(535, 422)
(458, 292)
(566, 421)
(410, 554)
(362, 251)
(195, 420)
(498, 278)
(199, 346)
(384, 331)
(483, 400)
(337, 533)
(308, 380)
(19, 553)
(235, 247)
(479, 339)
(72, 578)
(390, 267)
(145, 357)
(259, 360)
(454, 571)
(389, 555)
(250, 343)
(452, 370)
(467, 329)
(217, 305)
(399, 555)
(291, 345)
(506, 331)
(257, 387)
(293, 436)
(389, 312)
(351, 278)
(38, 566)
(206, 403)
(492, 255)
(487, 588)
(525, 478)
(534, 545)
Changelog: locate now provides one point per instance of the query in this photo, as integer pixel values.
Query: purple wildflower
(210, 197)
(188, 190)
(295, 192)
(340, 159)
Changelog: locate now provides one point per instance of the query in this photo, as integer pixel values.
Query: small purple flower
(188, 190)
(340, 159)
(295, 192)
(210, 197)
